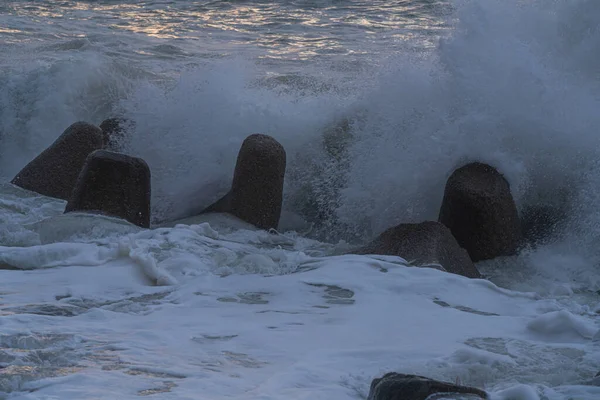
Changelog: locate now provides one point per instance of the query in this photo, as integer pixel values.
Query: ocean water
(376, 102)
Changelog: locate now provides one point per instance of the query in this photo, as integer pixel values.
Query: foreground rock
(479, 210)
(113, 184)
(54, 172)
(425, 243)
(256, 193)
(394, 386)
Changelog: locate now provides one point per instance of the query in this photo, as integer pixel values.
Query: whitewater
(376, 103)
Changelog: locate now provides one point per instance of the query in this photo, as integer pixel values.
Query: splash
(515, 85)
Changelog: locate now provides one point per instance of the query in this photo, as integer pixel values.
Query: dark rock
(481, 213)
(113, 184)
(113, 132)
(394, 386)
(425, 243)
(541, 222)
(54, 172)
(256, 193)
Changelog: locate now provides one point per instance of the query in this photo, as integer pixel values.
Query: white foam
(247, 321)
(562, 325)
(209, 306)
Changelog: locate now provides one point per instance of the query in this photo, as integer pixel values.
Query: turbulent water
(376, 102)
